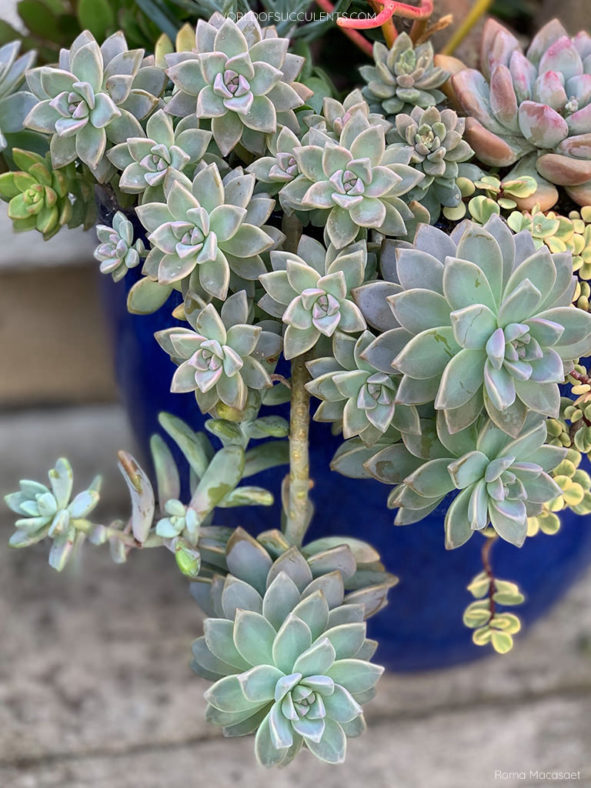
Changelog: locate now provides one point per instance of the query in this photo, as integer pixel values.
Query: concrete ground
(95, 688)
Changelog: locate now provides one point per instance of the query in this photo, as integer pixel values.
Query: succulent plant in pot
(280, 253)
(532, 108)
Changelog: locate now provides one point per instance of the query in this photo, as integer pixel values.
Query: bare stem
(486, 565)
(299, 466)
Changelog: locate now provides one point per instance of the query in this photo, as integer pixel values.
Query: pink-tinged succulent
(533, 108)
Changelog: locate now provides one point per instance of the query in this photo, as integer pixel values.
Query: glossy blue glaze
(422, 627)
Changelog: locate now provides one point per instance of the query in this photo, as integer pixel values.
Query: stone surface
(54, 344)
(95, 688)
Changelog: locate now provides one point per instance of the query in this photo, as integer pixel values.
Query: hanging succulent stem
(479, 8)
(299, 465)
(487, 566)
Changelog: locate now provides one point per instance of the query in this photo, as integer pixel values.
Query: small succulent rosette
(286, 645)
(403, 77)
(96, 98)
(439, 150)
(242, 78)
(208, 231)
(311, 292)
(358, 391)
(50, 512)
(223, 355)
(145, 161)
(501, 481)
(532, 108)
(353, 183)
(118, 251)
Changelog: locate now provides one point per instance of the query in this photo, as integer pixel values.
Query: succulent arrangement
(292, 239)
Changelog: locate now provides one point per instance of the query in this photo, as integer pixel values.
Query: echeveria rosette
(335, 114)
(534, 105)
(208, 227)
(97, 96)
(223, 357)
(436, 139)
(311, 293)
(481, 319)
(355, 394)
(366, 581)
(51, 512)
(403, 77)
(501, 481)
(281, 166)
(117, 251)
(239, 76)
(38, 196)
(146, 160)
(289, 661)
(353, 183)
(179, 521)
(15, 104)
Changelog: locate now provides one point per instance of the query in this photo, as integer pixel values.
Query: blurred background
(95, 688)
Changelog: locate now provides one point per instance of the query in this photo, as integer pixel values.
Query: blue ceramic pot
(422, 626)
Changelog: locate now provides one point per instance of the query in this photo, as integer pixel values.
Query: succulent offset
(208, 227)
(532, 108)
(311, 292)
(353, 182)
(117, 251)
(501, 481)
(481, 319)
(286, 648)
(223, 356)
(436, 139)
(403, 77)
(51, 512)
(357, 394)
(240, 76)
(97, 96)
(15, 104)
(146, 160)
(38, 196)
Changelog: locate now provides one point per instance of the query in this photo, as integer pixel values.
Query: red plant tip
(390, 8)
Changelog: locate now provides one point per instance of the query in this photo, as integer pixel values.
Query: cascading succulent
(117, 251)
(436, 139)
(311, 292)
(208, 227)
(97, 95)
(501, 481)
(534, 105)
(146, 160)
(357, 392)
(289, 660)
(38, 196)
(353, 182)
(241, 77)
(223, 356)
(48, 512)
(481, 318)
(403, 77)
(15, 104)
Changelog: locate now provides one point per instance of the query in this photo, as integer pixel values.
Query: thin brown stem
(580, 377)
(299, 466)
(487, 566)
